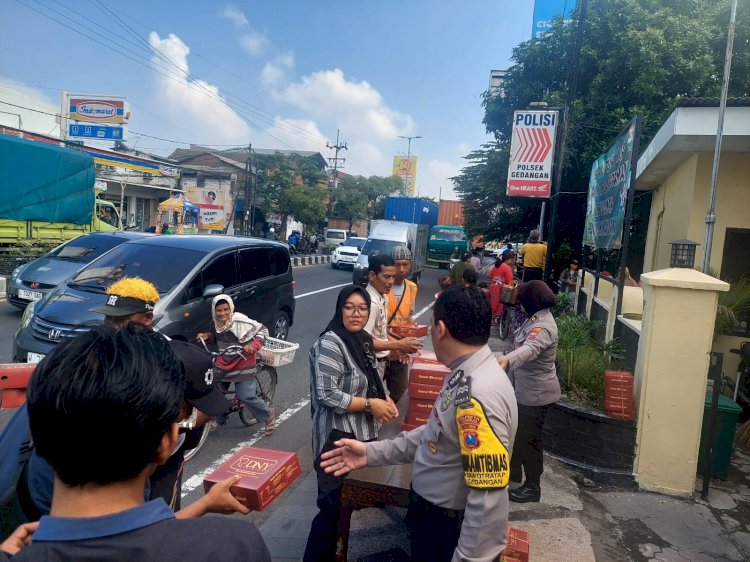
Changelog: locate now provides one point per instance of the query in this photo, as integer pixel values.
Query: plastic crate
(278, 352)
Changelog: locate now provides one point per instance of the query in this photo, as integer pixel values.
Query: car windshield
(448, 234)
(373, 246)
(335, 235)
(85, 248)
(355, 243)
(135, 260)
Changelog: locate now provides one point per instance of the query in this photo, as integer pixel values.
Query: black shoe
(526, 494)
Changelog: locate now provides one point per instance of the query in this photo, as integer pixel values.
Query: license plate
(29, 295)
(34, 357)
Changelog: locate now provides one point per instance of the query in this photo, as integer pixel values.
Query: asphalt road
(316, 290)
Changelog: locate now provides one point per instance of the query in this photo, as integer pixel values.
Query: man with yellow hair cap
(131, 299)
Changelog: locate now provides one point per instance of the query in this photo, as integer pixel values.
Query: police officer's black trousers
(434, 530)
(528, 451)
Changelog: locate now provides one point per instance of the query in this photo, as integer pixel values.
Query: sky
(278, 74)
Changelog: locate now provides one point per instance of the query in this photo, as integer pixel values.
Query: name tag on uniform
(455, 378)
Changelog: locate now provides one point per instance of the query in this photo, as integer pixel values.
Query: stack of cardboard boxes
(425, 381)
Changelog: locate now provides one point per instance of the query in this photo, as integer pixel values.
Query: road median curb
(309, 260)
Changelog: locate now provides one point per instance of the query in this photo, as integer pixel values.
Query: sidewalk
(576, 520)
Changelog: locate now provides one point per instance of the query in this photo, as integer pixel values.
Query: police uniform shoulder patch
(534, 333)
(486, 461)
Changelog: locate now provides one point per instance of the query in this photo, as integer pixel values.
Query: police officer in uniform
(531, 367)
(459, 500)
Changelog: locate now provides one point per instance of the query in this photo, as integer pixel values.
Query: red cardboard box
(416, 419)
(423, 406)
(418, 331)
(265, 474)
(426, 356)
(419, 391)
(430, 378)
(516, 546)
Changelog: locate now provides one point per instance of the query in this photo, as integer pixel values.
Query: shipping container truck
(386, 235)
(444, 239)
(451, 212)
(413, 210)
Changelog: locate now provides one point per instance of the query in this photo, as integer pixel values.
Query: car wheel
(281, 326)
(333, 265)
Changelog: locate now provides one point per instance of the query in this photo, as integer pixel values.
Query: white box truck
(386, 235)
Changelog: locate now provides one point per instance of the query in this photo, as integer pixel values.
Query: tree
(637, 55)
(359, 198)
(350, 200)
(291, 185)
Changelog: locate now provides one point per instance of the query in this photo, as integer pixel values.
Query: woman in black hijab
(531, 368)
(347, 400)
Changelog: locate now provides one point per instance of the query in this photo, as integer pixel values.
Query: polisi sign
(532, 151)
(94, 110)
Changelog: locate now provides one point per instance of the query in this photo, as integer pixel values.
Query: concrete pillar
(670, 376)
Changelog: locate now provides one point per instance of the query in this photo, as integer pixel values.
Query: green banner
(608, 193)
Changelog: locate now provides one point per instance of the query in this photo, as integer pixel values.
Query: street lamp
(408, 158)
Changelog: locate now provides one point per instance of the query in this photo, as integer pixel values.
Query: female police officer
(531, 366)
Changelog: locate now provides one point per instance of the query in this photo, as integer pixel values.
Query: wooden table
(375, 486)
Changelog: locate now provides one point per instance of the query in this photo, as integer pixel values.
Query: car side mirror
(212, 290)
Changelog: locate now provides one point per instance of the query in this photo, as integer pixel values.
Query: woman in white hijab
(228, 328)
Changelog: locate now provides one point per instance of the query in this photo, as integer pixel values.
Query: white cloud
(275, 71)
(235, 15)
(195, 101)
(254, 43)
(302, 134)
(434, 174)
(355, 107)
(18, 93)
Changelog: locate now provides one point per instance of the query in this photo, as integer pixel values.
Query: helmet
(271, 230)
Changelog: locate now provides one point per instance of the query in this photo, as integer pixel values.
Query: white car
(347, 253)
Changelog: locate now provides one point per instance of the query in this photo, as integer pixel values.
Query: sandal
(271, 422)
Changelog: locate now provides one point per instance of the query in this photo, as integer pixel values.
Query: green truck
(443, 241)
(49, 194)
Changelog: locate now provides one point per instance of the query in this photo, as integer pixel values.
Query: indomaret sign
(531, 153)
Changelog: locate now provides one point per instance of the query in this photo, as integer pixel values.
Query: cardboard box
(265, 474)
(516, 546)
(419, 391)
(428, 378)
(415, 418)
(417, 331)
(424, 406)
(426, 356)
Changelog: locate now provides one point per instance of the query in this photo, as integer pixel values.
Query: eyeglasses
(351, 309)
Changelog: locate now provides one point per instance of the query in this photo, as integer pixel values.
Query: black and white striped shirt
(334, 379)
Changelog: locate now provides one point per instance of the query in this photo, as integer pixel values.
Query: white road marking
(321, 290)
(196, 480)
(425, 309)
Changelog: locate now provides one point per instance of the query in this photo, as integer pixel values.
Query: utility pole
(711, 215)
(334, 162)
(248, 170)
(408, 159)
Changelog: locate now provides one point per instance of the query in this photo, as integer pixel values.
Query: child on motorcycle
(230, 327)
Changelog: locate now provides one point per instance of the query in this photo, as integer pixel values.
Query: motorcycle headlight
(28, 314)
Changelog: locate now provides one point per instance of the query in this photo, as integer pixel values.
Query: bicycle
(266, 379)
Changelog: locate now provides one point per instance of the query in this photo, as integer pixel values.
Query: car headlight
(16, 272)
(28, 314)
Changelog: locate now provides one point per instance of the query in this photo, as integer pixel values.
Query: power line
(175, 73)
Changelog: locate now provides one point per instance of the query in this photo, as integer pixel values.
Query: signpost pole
(560, 155)
(628, 211)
